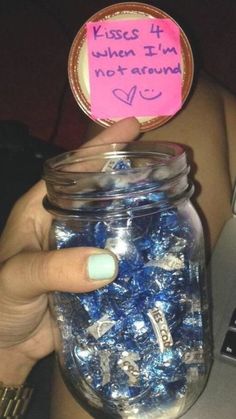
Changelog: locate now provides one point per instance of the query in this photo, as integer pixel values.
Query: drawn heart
(126, 97)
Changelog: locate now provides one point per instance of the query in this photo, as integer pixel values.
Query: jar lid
(131, 59)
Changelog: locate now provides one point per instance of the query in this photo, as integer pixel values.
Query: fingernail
(101, 266)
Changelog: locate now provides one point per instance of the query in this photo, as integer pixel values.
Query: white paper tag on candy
(160, 328)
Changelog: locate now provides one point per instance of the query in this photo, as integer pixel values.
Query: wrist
(15, 394)
(14, 367)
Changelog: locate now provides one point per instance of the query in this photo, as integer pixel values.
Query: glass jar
(140, 346)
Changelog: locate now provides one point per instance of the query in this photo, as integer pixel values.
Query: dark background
(35, 38)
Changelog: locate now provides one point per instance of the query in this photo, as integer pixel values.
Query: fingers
(28, 275)
(89, 158)
(124, 130)
(27, 225)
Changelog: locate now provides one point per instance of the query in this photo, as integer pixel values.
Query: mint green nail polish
(101, 267)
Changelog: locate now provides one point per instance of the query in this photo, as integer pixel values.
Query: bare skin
(28, 271)
(207, 127)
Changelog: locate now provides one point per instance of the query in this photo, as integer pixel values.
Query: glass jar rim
(143, 167)
(168, 153)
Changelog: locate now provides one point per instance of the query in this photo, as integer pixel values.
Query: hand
(28, 271)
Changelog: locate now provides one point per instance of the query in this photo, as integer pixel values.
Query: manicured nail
(101, 266)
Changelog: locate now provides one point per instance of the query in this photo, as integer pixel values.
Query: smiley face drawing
(129, 96)
(149, 94)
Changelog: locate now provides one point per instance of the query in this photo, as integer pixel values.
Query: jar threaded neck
(144, 174)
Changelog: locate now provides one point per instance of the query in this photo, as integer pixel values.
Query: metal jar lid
(78, 60)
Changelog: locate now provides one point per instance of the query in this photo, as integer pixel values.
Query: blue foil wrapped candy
(137, 347)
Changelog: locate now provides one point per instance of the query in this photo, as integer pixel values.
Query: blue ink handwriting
(146, 92)
(118, 34)
(139, 71)
(155, 29)
(128, 97)
(115, 34)
(152, 50)
(109, 53)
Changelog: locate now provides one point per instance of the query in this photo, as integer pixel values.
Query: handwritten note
(134, 68)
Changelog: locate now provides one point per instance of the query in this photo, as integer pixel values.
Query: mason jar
(139, 347)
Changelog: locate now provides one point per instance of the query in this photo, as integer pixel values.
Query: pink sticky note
(134, 68)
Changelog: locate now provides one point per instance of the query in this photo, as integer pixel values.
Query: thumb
(83, 269)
